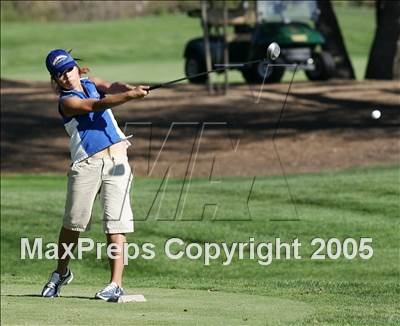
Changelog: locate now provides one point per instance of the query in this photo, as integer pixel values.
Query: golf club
(273, 52)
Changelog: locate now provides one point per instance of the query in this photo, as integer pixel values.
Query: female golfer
(99, 165)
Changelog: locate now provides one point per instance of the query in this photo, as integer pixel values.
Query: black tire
(324, 67)
(255, 73)
(195, 64)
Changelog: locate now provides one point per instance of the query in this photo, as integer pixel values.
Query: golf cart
(255, 25)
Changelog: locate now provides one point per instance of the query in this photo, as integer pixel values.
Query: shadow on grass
(32, 128)
(39, 296)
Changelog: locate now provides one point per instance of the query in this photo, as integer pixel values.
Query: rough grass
(355, 203)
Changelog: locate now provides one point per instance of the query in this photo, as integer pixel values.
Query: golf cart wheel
(324, 67)
(195, 64)
(256, 73)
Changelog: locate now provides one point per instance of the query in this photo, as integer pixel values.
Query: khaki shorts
(111, 177)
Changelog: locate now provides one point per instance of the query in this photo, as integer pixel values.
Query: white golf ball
(376, 114)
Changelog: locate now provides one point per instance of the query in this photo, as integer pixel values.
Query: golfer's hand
(118, 87)
(139, 91)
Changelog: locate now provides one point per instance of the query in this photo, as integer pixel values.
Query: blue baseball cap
(58, 61)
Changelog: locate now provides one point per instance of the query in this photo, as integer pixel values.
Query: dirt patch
(183, 130)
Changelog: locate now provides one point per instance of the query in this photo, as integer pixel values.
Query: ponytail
(83, 70)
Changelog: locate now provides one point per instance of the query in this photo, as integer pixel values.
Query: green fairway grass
(350, 204)
(164, 307)
(144, 49)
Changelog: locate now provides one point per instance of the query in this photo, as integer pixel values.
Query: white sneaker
(110, 293)
(56, 281)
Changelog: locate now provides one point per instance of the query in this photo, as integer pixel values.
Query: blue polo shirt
(92, 132)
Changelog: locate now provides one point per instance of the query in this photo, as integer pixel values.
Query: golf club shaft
(199, 75)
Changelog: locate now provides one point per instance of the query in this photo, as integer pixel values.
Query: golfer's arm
(75, 106)
(110, 88)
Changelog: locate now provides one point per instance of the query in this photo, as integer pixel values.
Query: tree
(328, 25)
(383, 62)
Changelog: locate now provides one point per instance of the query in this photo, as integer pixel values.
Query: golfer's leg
(115, 197)
(118, 217)
(116, 264)
(67, 237)
(84, 180)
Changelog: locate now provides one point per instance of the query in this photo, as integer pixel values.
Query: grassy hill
(141, 49)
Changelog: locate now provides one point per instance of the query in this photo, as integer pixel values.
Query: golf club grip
(155, 87)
